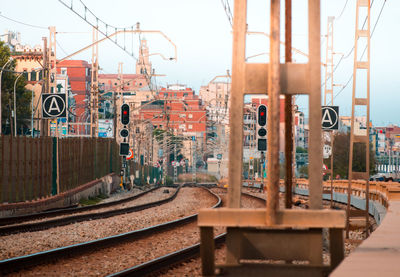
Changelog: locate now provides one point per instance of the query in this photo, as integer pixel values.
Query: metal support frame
(246, 228)
(357, 101)
(328, 87)
(94, 87)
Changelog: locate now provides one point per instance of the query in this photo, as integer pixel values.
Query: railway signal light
(124, 133)
(125, 114)
(261, 131)
(124, 149)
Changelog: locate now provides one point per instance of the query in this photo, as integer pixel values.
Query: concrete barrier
(104, 185)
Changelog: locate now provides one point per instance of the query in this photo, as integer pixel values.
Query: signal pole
(94, 88)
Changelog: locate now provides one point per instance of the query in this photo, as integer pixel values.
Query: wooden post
(207, 249)
(288, 110)
(315, 143)
(273, 115)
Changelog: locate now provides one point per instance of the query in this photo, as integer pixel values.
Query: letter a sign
(54, 105)
(330, 117)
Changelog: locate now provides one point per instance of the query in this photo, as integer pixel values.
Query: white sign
(106, 128)
(327, 151)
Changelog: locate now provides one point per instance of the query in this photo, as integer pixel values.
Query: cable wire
(20, 22)
(372, 33)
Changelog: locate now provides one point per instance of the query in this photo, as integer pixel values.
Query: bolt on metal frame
(356, 101)
(271, 233)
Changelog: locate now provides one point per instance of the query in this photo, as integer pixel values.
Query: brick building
(78, 72)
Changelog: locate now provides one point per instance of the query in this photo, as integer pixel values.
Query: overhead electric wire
(341, 13)
(227, 11)
(372, 33)
(23, 23)
(343, 57)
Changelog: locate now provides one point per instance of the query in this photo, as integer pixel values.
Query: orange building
(78, 72)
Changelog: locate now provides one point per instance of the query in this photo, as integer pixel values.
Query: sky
(202, 34)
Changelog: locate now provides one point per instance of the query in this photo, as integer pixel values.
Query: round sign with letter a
(130, 155)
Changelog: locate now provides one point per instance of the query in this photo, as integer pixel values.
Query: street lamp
(15, 105)
(1, 74)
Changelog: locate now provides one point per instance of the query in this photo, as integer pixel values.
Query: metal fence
(28, 166)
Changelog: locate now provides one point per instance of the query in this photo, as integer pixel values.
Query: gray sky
(202, 33)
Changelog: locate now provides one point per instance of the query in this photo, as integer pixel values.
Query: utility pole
(94, 88)
(288, 110)
(361, 137)
(175, 160)
(328, 87)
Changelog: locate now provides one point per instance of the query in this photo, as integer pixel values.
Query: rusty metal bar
(288, 109)
(273, 115)
(236, 110)
(207, 251)
(315, 142)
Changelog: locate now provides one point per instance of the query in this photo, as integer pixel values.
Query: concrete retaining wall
(105, 185)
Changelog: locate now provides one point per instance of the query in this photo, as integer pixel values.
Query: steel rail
(177, 257)
(158, 264)
(21, 262)
(57, 212)
(43, 225)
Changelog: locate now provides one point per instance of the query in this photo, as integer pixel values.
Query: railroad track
(43, 225)
(178, 257)
(18, 263)
(57, 212)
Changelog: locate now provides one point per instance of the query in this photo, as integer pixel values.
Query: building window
(190, 115)
(190, 126)
(33, 76)
(137, 130)
(40, 75)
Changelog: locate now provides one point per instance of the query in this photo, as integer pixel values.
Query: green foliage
(169, 181)
(92, 200)
(23, 96)
(301, 150)
(303, 171)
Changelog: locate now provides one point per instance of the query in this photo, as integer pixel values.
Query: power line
(59, 45)
(352, 49)
(341, 13)
(20, 22)
(228, 12)
(372, 33)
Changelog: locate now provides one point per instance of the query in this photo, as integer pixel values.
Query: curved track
(167, 261)
(57, 212)
(18, 263)
(43, 225)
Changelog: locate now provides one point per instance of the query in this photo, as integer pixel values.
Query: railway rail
(178, 257)
(18, 263)
(57, 212)
(42, 225)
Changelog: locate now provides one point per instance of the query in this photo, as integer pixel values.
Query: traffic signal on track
(125, 114)
(261, 130)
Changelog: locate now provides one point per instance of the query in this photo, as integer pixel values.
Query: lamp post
(33, 109)
(1, 74)
(15, 105)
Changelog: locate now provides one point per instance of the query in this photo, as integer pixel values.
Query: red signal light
(262, 113)
(125, 112)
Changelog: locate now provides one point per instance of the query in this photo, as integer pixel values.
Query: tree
(341, 148)
(23, 96)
